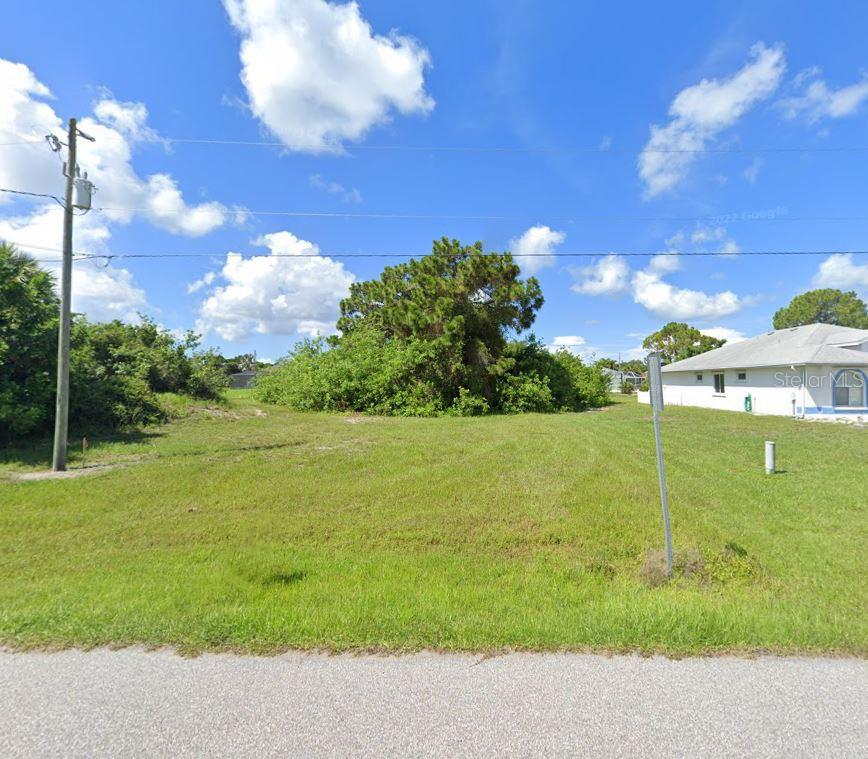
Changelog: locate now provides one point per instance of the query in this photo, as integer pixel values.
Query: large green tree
(826, 306)
(677, 341)
(457, 306)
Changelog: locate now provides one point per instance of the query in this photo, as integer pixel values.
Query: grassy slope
(304, 530)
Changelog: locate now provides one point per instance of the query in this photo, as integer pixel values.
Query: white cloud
(292, 290)
(818, 101)
(335, 188)
(700, 112)
(729, 249)
(725, 333)
(574, 344)
(316, 74)
(127, 118)
(534, 249)
(165, 206)
(102, 292)
(116, 126)
(841, 271)
(608, 276)
(611, 275)
(670, 302)
(24, 115)
(204, 281)
(664, 263)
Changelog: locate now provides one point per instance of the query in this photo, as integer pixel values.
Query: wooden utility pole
(61, 416)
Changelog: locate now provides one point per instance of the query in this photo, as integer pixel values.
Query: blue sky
(575, 93)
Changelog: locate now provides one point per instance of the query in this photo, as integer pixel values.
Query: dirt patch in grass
(215, 411)
(65, 475)
(687, 563)
(731, 565)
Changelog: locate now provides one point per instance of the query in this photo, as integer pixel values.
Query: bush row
(366, 371)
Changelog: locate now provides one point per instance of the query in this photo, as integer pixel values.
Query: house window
(742, 376)
(699, 378)
(719, 385)
(849, 388)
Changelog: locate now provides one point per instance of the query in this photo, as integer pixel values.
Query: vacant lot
(234, 529)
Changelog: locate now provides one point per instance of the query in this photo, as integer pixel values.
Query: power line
(513, 148)
(578, 149)
(771, 215)
(32, 194)
(82, 255)
(419, 254)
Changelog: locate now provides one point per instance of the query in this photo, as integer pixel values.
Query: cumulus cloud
(816, 100)
(725, 333)
(574, 344)
(611, 275)
(204, 281)
(608, 276)
(700, 112)
(99, 290)
(664, 263)
(127, 118)
(116, 126)
(665, 300)
(535, 248)
(293, 290)
(316, 74)
(841, 271)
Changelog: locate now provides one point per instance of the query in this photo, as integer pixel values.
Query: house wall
(780, 391)
(766, 386)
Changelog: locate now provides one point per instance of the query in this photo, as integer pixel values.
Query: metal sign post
(655, 383)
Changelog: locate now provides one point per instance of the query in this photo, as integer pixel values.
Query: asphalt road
(136, 703)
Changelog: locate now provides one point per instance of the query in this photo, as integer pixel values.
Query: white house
(815, 370)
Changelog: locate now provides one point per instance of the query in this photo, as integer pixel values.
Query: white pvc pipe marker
(770, 457)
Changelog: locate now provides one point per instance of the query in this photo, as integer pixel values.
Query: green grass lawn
(230, 529)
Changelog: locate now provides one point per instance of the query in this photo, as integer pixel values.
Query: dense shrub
(365, 371)
(525, 392)
(116, 369)
(468, 404)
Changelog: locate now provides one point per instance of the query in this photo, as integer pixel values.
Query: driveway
(138, 703)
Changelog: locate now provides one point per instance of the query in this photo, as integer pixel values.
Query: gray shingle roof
(811, 344)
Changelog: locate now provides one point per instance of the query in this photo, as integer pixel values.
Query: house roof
(810, 344)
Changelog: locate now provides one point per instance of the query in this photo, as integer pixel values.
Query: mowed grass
(230, 529)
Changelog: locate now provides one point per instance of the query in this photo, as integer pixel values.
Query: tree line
(446, 334)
